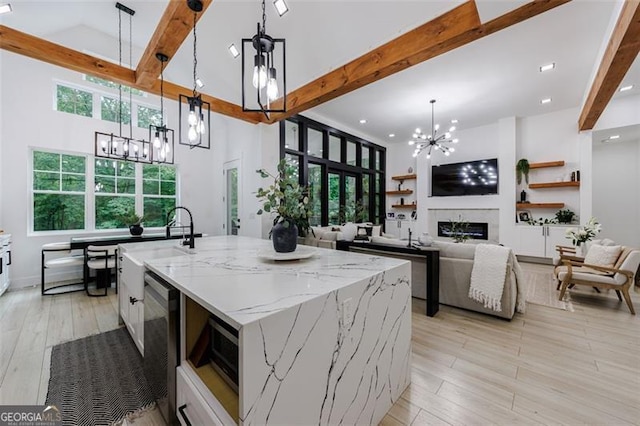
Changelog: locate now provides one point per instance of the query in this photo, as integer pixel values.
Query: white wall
(616, 191)
(29, 120)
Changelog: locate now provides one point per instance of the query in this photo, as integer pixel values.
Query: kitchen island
(320, 340)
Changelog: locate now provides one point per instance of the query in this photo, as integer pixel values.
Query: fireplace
(476, 230)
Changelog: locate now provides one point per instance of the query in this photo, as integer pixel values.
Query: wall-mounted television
(468, 178)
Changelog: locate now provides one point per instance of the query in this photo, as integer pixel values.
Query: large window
(345, 174)
(74, 101)
(58, 191)
(63, 184)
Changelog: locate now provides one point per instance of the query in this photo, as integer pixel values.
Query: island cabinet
(323, 340)
(131, 297)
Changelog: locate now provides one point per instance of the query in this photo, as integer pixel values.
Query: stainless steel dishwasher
(161, 342)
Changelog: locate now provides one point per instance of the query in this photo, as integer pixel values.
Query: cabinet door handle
(9, 263)
(120, 270)
(133, 300)
(183, 414)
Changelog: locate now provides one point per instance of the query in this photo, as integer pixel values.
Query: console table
(432, 259)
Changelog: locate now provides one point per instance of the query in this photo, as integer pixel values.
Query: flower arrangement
(584, 234)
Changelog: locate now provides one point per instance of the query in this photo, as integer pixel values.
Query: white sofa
(326, 236)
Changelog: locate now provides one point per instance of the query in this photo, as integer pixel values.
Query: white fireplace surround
(489, 216)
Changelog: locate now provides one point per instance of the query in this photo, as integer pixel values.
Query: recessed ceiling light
(612, 137)
(545, 101)
(234, 50)
(5, 8)
(281, 7)
(454, 121)
(392, 135)
(548, 67)
(625, 88)
(363, 121)
(199, 83)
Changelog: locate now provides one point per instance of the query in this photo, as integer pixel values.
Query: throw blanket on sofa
(488, 275)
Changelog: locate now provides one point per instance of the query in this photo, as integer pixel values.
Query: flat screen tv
(468, 178)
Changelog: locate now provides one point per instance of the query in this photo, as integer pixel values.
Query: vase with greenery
(289, 204)
(459, 230)
(522, 169)
(565, 216)
(585, 233)
(134, 221)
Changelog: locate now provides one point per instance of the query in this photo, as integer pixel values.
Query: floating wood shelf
(547, 164)
(539, 205)
(404, 177)
(403, 206)
(554, 185)
(401, 192)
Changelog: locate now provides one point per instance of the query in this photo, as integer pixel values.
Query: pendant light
(161, 137)
(424, 141)
(264, 71)
(195, 123)
(120, 147)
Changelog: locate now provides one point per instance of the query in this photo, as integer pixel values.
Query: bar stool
(101, 259)
(59, 262)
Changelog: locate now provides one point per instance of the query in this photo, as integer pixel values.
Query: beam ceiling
(621, 51)
(172, 30)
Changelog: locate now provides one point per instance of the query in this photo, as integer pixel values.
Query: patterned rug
(541, 290)
(98, 380)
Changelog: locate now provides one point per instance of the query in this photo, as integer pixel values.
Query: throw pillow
(602, 255)
(364, 231)
(376, 232)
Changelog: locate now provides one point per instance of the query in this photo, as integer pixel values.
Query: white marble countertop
(225, 275)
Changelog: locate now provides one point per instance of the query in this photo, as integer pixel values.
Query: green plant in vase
(459, 230)
(289, 203)
(134, 222)
(565, 216)
(522, 170)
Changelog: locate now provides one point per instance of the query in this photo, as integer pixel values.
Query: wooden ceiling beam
(454, 29)
(622, 50)
(55, 54)
(172, 30)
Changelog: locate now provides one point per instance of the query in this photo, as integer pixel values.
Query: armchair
(618, 278)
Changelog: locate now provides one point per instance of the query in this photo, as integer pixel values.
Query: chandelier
(265, 75)
(197, 119)
(120, 147)
(424, 141)
(162, 137)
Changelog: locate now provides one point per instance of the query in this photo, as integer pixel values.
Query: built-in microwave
(223, 351)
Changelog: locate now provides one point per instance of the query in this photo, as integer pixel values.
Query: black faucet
(409, 245)
(191, 241)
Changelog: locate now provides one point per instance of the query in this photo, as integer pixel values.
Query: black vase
(136, 230)
(523, 196)
(285, 238)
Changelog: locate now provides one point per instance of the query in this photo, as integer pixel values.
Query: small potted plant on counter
(289, 203)
(134, 222)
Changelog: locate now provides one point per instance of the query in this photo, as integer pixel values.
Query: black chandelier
(424, 141)
(120, 147)
(194, 126)
(161, 136)
(266, 74)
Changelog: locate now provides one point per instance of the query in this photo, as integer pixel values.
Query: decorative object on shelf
(425, 239)
(585, 233)
(523, 196)
(120, 147)
(196, 122)
(402, 201)
(522, 169)
(524, 216)
(162, 137)
(565, 216)
(541, 221)
(410, 170)
(578, 175)
(400, 186)
(134, 222)
(433, 140)
(458, 229)
(289, 202)
(266, 75)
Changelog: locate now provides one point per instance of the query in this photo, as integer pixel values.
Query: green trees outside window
(109, 110)
(148, 116)
(115, 189)
(74, 101)
(159, 193)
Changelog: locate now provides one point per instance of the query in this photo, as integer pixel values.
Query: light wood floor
(547, 366)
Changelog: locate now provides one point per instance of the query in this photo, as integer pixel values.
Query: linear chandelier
(266, 74)
(194, 125)
(424, 141)
(162, 137)
(120, 147)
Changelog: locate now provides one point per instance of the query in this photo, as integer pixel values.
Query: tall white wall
(616, 191)
(30, 120)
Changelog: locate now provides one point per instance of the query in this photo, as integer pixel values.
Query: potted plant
(134, 222)
(584, 234)
(289, 203)
(565, 216)
(458, 229)
(522, 169)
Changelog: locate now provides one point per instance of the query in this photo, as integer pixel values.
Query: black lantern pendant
(161, 137)
(194, 126)
(264, 76)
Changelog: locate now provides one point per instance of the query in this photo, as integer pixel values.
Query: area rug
(98, 380)
(541, 290)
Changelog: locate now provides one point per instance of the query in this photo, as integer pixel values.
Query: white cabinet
(5, 262)
(399, 229)
(190, 405)
(540, 241)
(131, 295)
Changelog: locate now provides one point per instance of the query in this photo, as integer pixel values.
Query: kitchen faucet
(191, 241)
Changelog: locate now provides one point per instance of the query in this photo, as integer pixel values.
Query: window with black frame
(344, 173)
